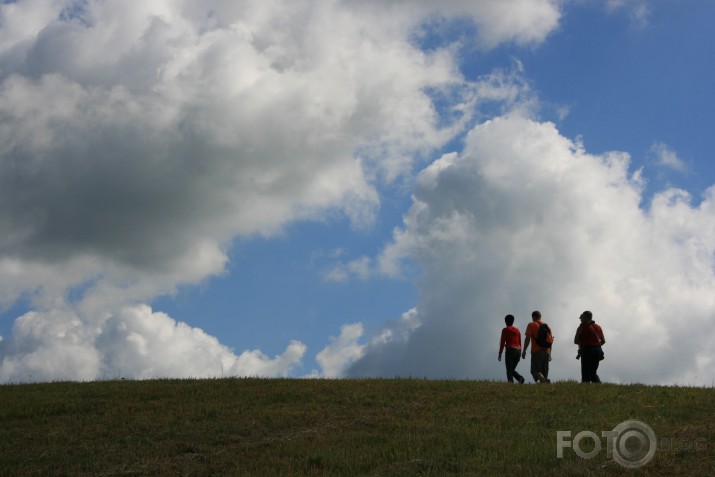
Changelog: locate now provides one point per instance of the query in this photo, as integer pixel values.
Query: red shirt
(532, 331)
(510, 337)
(590, 334)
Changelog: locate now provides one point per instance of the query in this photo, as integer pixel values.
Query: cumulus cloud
(524, 219)
(135, 343)
(341, 352)
(137, 141)
(519, 21)
(122, 126)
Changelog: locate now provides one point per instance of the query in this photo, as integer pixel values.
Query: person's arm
(527, 340)
(600, 336)
(502, 341)
(577, 338)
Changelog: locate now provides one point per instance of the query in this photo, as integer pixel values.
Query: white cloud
(360, 268)
(135, 138)
(136, 141)
(519, 21)
(639, 10)
(341, 352)
(133, 343)
(665, 156)
(525, 219)
(523, 21)
(255, 363)
(46, 347)
(344, 351)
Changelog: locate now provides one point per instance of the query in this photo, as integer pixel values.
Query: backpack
(543, 336)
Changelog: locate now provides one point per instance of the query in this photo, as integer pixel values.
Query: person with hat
(589, 337)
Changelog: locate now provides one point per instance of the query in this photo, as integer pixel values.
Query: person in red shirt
(589, 338)
(540, 357)
(511, 340)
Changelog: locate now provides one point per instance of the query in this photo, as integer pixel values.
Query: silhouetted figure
(538, 331)
(511, 340)
(589, 337)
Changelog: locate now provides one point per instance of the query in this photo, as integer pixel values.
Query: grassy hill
(342, 427)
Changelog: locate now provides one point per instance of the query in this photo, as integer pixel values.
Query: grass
(341, 427)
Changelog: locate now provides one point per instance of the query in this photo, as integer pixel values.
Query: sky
(343, 188)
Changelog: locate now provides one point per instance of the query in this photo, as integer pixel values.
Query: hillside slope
(345, 427)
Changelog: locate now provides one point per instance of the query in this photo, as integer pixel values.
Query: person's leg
(517, 358)
(535, 368)
(539, 362)
(545, 369)
(584, 368)
(544, 364)
(513, 357)
(509, 363)
(594, 368)
(590, 362)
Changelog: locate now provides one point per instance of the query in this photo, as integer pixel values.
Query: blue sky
(342, 188)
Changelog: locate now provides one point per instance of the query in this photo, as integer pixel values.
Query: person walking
(538, 334)
(511, 340)
(589, 337)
